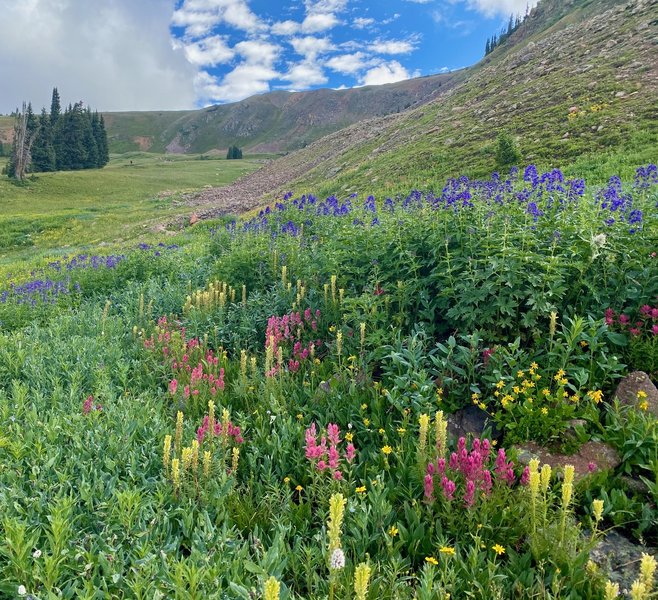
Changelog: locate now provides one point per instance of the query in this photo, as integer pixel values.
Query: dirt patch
(144, 142)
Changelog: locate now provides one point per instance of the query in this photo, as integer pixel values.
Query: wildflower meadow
(265, 407)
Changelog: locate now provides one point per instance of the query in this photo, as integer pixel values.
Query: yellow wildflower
(364, 406)
(447, 550)
(387, 450)
(382, 431)
(641, 395)
(349, 437)
(393, 531)
(644, 405)
(520, 374)
(361, 580)
(544, 411)
(272, 589)
(500, 385)
(498, 549)
(299, 488)
(286, 480)
(595, 396)
(300, 416)
(361, 489)
(431, 560)
(366, 422)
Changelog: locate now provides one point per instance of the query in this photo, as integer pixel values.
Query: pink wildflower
(350, 452)
(429, 486)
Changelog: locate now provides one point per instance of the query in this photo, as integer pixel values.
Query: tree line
(497, 39)
(57, 141)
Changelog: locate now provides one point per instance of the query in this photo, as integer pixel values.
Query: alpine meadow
(391, 340)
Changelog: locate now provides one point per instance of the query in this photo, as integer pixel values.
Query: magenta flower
(173, 386)
(429, 486)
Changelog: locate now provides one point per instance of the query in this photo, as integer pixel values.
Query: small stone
(194, 219)
(620, 95)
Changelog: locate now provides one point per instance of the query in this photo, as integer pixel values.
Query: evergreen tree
(101, 140)
(510, 25)
(487, 48)
(507, 154)
(55, 108)
(89, 141)
(233, 153)
(43, 151)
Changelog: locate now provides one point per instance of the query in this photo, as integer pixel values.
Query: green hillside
(274, 122)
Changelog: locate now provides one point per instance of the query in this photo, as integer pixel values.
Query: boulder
(471, 422)
(637, 388)
(591, 457)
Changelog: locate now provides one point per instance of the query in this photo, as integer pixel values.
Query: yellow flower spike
(638, 591)
(166, 454)
(533, 465)
(207, 461)
(647, 570)
(179, 432)
(552, 324)
(339, 342)
(226, 418)
(186, 458)
(611, 590)
(545, 477)
(363, 333)
(337, 504)
(569, 472)
(272, 589)
(597, 510)
(234, 460)
(361, 581)
(175, 474)
(195, 457)
(441, 432)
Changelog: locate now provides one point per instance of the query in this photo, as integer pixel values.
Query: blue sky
(181, 54)
(242, 47)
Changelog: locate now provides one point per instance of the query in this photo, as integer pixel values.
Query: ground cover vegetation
(71, 212)
(259, 407)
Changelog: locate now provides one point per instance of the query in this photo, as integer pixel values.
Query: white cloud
(348, 64)
(419, 1)
(317, 22)
(310, 46)
(392, 47)
(305, 74)
(243, 81)
(113, 54)
(500, 7)
(362, 22)
(208, 52)
(387, 72)
(198, 17)
(286, 28)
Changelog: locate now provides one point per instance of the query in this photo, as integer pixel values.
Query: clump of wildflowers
(291, 335)
(324, 452)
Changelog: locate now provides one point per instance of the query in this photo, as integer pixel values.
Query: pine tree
(507, 154)
(101, 140)
(233, 153)
(55, 108)
(487, 48)
(89, 141)
(43, 152)
(510, 25)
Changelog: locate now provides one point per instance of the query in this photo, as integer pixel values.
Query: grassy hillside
(576, 86)
(274, 122)
(111, 205)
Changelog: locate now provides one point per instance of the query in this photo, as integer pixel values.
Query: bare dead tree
(22, 148)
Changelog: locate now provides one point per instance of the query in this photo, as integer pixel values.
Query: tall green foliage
(72, 140)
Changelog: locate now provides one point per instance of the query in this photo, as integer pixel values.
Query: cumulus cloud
(310, 46)
(304, 75)
(362, 22)
(198, 17)
(392, 46)
(492, 8)
(113, 54)
(251, 76)
(387, 72)
(348, 64)
(286, 28)
(210, 51)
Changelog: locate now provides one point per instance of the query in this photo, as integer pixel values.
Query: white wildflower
(337, 560)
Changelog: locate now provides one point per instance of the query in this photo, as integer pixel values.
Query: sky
(121, 55)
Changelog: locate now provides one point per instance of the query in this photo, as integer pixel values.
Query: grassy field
(70, 210)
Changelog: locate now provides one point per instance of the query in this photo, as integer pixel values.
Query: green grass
(120, 203)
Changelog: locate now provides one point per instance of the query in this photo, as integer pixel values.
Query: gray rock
(471, 421)
(636, 383)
